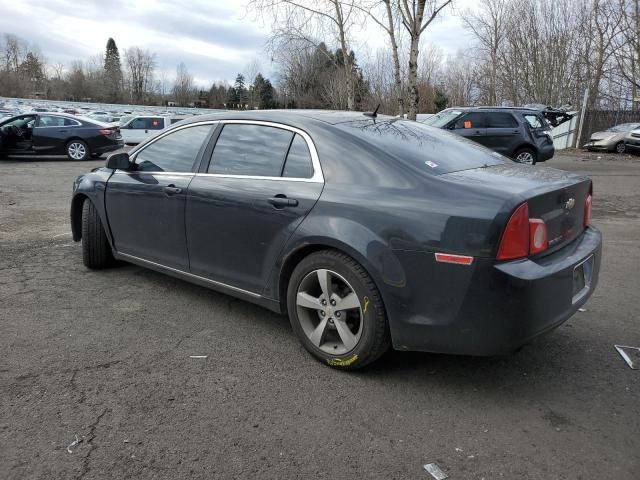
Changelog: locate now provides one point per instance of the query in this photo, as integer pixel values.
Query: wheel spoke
(324, 279)
(348, 302)
(308, 301)
(317, 335)
(348, 338)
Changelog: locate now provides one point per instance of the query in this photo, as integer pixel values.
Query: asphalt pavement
(97, 379)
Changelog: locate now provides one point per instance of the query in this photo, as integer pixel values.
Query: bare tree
(490, 25)
(416, 17)
(183, 87)
(140, 66)
(300, 23)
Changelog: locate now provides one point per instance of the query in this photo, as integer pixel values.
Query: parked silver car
(612, 139)
(632, 140)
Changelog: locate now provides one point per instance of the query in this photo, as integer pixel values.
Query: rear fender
(347, 236)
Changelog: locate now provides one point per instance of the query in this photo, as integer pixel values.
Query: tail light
(522, 236)
(105, 131)
(587, 207)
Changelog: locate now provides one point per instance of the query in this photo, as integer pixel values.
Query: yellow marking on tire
(365, 305)
(339, 362)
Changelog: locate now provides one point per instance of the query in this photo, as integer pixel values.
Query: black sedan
(368, 232)
(57, 134)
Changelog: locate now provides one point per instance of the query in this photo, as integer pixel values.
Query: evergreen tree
(241, 91)
(112, 72)
(440, 101)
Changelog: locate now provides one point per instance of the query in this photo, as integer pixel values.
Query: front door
(471, 125)
(259, 185)
(145, 206)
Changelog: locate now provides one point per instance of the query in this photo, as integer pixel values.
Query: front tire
(96, 251)
(77, 150)
(526, 156)
(336, 311)
(620, 147)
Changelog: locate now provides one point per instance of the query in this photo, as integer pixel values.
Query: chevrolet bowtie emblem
(569, 204)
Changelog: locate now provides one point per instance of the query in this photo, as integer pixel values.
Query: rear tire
(77, 150)
(526, 156)
(355, 323)
(96, 251)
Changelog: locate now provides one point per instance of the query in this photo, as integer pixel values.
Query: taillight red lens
(587, 207)
(106, 131)
(515, 239)
(538, 241)
(523, 236)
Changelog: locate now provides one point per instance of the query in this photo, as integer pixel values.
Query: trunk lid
(555, 196)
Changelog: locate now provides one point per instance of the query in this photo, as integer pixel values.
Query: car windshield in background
(441, 119)
(624, 127)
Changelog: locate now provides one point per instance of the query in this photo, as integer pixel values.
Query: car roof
(292, 117)
(485, 109)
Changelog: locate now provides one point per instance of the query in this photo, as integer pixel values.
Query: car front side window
(174, 152)
(250, 150)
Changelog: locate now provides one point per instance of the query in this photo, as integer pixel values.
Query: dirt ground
(104, 358)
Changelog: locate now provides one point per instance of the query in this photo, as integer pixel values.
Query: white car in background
(141, 127)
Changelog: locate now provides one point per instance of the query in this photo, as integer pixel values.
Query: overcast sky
(216, 39)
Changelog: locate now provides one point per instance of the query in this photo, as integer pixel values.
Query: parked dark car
(520, 133)
(57, 134)
(365, 231)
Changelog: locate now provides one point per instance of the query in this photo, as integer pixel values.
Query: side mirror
(119, 161)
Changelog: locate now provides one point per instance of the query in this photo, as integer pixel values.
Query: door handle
(63, 131)
(281, 201)
(172, 190)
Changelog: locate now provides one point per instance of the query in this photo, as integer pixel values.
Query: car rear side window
(175, 152)
(471, 120)
(534, 121)
(70, 123)
(252, 150)
(501, 120)
(298, 164)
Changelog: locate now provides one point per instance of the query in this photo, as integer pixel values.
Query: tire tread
(96, 251)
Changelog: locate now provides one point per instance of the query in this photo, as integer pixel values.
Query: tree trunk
(396, 60)
(414, 97)
(348, 68)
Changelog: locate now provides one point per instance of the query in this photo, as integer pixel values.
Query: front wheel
(96, 251)
(77, 150)
(620, 147)
(336, 311)
(525, 156)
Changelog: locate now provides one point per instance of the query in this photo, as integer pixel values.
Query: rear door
(259, 183)
(145, 207)
(503, 133)
(50, 133)
(471, 125)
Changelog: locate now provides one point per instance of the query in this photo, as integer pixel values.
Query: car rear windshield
(434, 151)
(441, 119)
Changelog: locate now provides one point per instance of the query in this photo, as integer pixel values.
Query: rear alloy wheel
(620, 147)
(525, 156)
(77, 150)
(96, 251)
(336, 311)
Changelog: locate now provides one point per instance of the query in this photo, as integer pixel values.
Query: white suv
(141, 127)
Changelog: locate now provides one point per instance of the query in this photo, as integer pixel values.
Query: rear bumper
(489, 308)
(546, 152)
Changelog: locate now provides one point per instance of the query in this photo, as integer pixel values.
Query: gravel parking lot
(104, 358)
